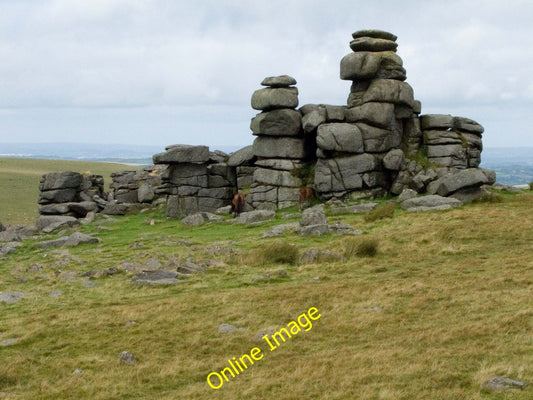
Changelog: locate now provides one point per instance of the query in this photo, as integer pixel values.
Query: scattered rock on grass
(8, 342)
(255, 216)
(127, 358)
(227, 328)
(499, 383)
(156, 278)
(430, 203)
(11, 297)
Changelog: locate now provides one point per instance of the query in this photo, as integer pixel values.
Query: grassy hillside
(19, 180)
(445, 304)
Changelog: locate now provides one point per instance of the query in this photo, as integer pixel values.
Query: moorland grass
(445, 304)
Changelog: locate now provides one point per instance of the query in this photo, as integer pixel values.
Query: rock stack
(452, 141)
(70, 193)
(136, 186)
(243, 161)
(381, 113)
(195, 180)
(281, 147)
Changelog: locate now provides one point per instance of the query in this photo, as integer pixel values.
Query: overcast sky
(176, 71)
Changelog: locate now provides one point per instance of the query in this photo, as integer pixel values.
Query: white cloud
(211, 55)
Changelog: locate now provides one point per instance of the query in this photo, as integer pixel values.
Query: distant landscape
(513, 165)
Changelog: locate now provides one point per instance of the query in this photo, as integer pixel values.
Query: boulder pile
(70, 193)
(195, 180)
(281, 148)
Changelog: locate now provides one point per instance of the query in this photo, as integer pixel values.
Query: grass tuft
(356, 247)
(279, 252)
(381, 212)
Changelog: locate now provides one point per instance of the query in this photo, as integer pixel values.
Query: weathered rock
(282, 147)
(127, 358)
(500, 384)
(60, 180)
(280, 164)
(313, 216)
(314, 230)
(436, 121)
(227, 328)
(314, 119)
(393, 160)
(433, 137)
(279, 81)
(145, 194)
(272, 98)
(376, 114)
(374, 33)
(389, 91)
(369, 65)
(373, 44)
(11, 297)
(340, 174)
(9, 247)
(430, 202)
(194, 220)
(244, 156)
(276, 178)
(377, 140)
(49, 223)
(116, 209)
(407, 194)
(467, 125)
(279, 230)
(255, 216)
(452, 182)
(182, 153)
(156, 278)
(74, 239)
(335, 113)
(340, 137)
(284, 122)
(57, 196)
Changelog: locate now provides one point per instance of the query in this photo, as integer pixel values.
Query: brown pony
(306, 196)
(237, 204)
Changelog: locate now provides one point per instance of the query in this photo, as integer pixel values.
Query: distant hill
(513, 165)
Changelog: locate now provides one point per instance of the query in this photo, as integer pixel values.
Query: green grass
(19, 180)
(445, 304)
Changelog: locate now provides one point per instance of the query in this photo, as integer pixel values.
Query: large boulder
(272, 98)
(376, 114)
(467, 125)
(276, 178)
(284, 122)
(313, 119)
(471, 177)
(49, 223)
(393, 159)
(369, 65)
(282, 147)
(255, 216)
(344, 173)
(390, 91)
(373, 44)
(340, 137)
(436, 121)
(244, 156)
(430, 203)
(314, 216)
(377, 140)
(182, 153)
(60, 180)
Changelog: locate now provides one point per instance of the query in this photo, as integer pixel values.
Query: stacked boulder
(452, 141)
(380, 116)
(70, 193)
(243, 161)
(136, 186)
(194, 179)
(282, 148)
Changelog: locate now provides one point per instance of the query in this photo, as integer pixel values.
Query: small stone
(56, 293)
(407, 194)
(499, 383)
(8, 342)
(227, 328)
(127, 358)
(77, 371)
